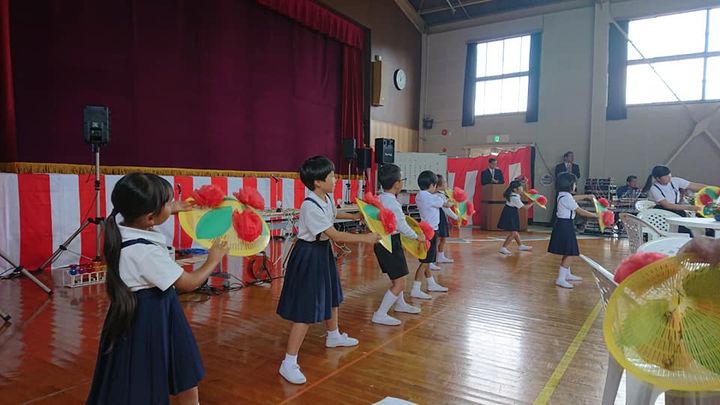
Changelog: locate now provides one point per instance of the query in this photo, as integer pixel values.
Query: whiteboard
(413, 163)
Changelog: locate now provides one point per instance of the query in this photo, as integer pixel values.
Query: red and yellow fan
(215, 215)
(416, 248)
(705, 199)
(379, 219)
(606, 217)
(463, 208)
(537, 198)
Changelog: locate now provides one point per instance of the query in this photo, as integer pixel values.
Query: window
(683, 48)
(501, 77)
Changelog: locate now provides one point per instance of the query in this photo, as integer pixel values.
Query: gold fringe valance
(65, 168)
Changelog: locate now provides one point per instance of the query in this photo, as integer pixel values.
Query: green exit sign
(497, 138)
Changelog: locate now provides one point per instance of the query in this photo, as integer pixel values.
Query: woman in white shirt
(666, 190)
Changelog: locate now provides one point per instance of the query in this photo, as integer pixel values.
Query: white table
(696, 225)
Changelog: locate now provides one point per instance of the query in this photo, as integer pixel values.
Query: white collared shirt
(669, 192)
(428, 205)
(515, 201)
(389, 201)
(566, 205)
(315, 220)
(146, 266)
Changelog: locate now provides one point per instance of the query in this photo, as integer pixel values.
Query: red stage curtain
(223, 84)
(8, 146)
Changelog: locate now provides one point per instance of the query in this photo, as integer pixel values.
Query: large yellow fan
(204, 225)
(413, 246)
(663, 324)
(370, 214)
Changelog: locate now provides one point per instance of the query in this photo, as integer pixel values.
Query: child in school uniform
(444, 225)
(147, 350)
(510, 216)
(394, 264)
(311, 290)
(563, 241)
(666, 191)
(429, 205)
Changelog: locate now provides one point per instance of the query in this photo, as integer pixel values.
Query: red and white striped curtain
(38, 212)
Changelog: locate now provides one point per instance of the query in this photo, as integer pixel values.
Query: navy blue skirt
(563, 240)
(312, 285)
(509, 219)
(443, 227)
(157, 357)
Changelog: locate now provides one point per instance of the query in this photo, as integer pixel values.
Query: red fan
(428, 232)
(608, 217)
(459, 194)
(635, 263)
(470, 209)
(604, 202)
(247, 224)
(208, 196)
(372, 199)
(542, 200)
(251, 197)
(533, 191)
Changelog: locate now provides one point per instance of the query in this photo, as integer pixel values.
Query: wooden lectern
(491, 206)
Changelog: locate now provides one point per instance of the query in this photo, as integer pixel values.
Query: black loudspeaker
(348, 149)
(96, 125)
(384, 150)
(364, 158)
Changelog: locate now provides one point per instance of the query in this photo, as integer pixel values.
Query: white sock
(417, 285)
(334, 333)
(290, 359)
(401, 298)
(563, 273)
(388, 300)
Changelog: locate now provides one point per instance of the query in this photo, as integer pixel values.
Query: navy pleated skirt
(563, 240)
(312, 285)
(157, 357)
(509, 219)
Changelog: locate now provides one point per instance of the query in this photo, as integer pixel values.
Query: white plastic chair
(657, 217)
(637, 391)
(670, 246)
(642, 205)
(636, 228)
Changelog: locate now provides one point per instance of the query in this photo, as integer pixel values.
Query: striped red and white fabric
(38, 212)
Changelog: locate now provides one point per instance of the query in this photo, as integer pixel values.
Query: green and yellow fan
(215, 215)
(662, 324)
(379, 220)
(416, 248)
(705, 198)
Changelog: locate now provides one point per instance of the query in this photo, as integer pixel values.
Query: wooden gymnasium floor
(498, 336)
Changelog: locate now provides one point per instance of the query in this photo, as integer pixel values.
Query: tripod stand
(98, 221)
(21, 270)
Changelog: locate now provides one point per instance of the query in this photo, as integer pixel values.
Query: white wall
(572, 112)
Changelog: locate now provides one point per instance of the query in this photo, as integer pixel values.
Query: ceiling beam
(412, 15)
(451, 8)
(510, 15)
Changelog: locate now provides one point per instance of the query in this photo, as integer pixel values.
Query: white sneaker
(292, 373)
(505, 251)
(420, 294)
(385, 319)
(563, 283)
(525, 248)
(572, 277)
(343, 341)
(435, 267)
(406, 308)
(444, 259)
(435, 287)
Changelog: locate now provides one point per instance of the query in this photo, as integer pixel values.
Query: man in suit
(568, 165)
(492, 175)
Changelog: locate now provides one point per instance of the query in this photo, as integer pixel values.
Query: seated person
(630, 189)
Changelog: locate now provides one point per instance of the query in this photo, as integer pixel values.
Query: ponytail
(122, 300)
(657, 172)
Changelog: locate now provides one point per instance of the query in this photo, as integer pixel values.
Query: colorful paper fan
(371, 214)
(705, 198)
(539, 199)
(204, 225)
(606, 217)
(663, 324)
(463, 210)
(413, 246)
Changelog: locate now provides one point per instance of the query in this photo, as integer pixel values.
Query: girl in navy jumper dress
(444, 226)
(311, 291)
(510, 216)
(563, 241)
(147, 350)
